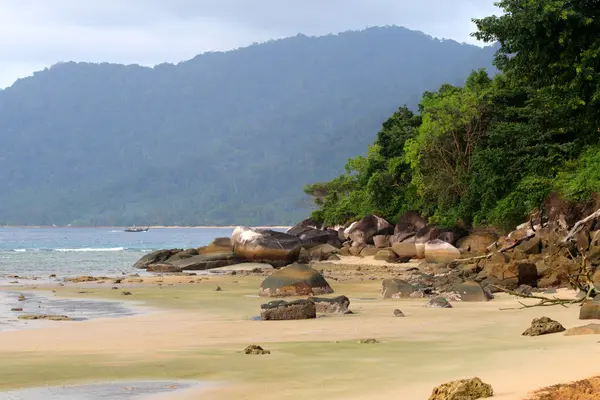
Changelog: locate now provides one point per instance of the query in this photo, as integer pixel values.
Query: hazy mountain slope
(223, 138)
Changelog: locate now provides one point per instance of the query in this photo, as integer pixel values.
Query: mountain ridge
(209, 140)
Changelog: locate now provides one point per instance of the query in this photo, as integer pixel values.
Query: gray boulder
(264, 245)
(156, 257)
(363, 231)
(337, 304)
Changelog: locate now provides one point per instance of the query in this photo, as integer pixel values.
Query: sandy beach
(196, 333)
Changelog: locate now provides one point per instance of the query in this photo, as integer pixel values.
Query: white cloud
(36, 33)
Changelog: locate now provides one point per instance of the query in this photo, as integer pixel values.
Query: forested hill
(224, 138)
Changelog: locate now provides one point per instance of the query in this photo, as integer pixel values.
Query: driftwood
(579, 225)
(543, 301)
(502, 250)
(588, 287)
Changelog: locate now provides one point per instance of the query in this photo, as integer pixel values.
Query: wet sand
(198, 334)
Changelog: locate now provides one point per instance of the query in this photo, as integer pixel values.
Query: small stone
(61, 284)
(543, 326)
(52, 276)
(126, 293)
(368, 341)
(465, 389)
(218, 289)
(524, 290)
(398, 313)
(256, 350)
(114, 288)
(21, 297)
(16, 309)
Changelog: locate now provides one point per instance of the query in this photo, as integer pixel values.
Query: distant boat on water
(135, 229)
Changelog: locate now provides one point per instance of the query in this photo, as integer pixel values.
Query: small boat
(134, 229)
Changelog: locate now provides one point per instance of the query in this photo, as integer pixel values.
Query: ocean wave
(73, 250)
(90, 249)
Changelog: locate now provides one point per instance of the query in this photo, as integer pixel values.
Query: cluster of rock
(299, 280)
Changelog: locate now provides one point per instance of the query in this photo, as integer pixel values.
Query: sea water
(40, 252)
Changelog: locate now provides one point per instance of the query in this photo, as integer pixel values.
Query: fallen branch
(502, 250)
(579, 225)
(543, 301)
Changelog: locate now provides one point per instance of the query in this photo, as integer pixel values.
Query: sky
(35, 34)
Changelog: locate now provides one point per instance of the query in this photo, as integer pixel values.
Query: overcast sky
(35, 34)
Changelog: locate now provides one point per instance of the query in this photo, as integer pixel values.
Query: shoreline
(150, 226)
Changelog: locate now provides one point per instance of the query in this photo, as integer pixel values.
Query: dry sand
(198, 334)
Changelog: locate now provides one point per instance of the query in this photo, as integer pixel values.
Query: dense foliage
(490, 152)
(225, 138)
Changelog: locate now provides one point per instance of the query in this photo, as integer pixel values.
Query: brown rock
(410, 221)
(439, 302)
(405, 250)
(402, 238)
(471, 291)
(369, 251)
(465, 389)
(531, 246)
(322, 252)
(381, 241)
(356, 249)
(498, 258)
(386, 255)
(295, 280)
(255, 350)
(219, 245)
(590, 309)
(337, 304)
(345, 251)
(398, 313)
(477, 243)
(396, 288)
(590, 329)
(283, 310)
(162, 268)
(181, 255)
(527, 274)
(543, 326)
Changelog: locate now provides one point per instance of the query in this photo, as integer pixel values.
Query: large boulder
(155, 257)
(315, 237)
(452, 235)
(304, 226)
(471, 291)
(386, 255)
(283, 310)
(477, 243)
(322, 252)
(184, 254)
(371, 225)
(590, 309)
(402, 237)
(264, 245)
(219, 245)
(465, 389)
(410, 221)
(405, 250)
(381, 241)
(337, 304)
(427, 233)
(437, 251)
(203, 262)
(295, 280)
(396, 289)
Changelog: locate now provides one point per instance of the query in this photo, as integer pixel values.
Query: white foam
(84, 249)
